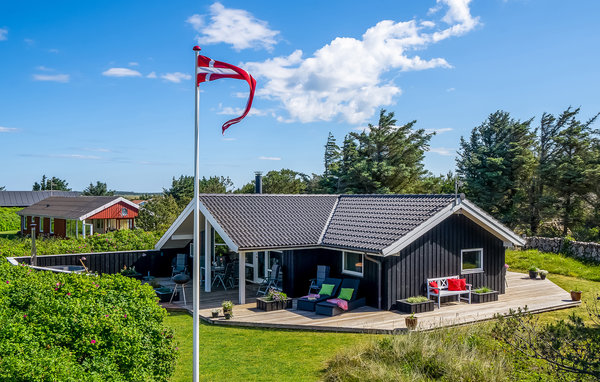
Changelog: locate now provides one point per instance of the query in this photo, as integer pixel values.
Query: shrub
(71, 327)
(416, 299)
(123, 240)
(482, 290)
(456, 354)
(9, 220)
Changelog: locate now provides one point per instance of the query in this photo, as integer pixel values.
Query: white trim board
(109, 204)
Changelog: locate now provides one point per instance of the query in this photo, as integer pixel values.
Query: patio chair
(303, 303)
(322, 274)
(271, 281)
(179, 264)
(327, 309)
(224, 277)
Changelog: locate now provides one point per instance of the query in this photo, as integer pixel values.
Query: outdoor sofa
(327, 309)
(303, 303)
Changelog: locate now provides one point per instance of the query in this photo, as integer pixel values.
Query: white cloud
(239, 111)
(236, 27)
(449, 90)
(29, 41)
(442, 151)
(176, 77)
(52, 77)
(269, 158)
(121, 72)
(440, 130)
(151, 75)
(44, 69)
(344, 79)
(53, 51)
(229, 139)
(133, 63)
(8, 129)
(3, 34)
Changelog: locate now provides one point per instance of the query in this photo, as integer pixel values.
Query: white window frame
(353, 273)
(51, 225)
(41, 227)
(473, 270)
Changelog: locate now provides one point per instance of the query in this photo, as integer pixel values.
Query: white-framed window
(471, 260)
(353, 263)
(41, 224)
(51, 225)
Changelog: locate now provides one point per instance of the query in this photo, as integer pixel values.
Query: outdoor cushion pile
(335, 297)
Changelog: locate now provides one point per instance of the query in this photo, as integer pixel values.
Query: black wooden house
(392, 243)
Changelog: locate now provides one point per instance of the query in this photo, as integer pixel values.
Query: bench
(444, 292)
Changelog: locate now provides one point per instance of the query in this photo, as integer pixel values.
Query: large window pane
(472, 259)
(353, 263)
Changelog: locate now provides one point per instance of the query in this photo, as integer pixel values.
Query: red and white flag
(210, 70)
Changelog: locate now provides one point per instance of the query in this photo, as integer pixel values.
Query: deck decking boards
(537, 295)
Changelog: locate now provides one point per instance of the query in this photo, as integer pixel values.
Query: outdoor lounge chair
(306, 304)
(322, 274)
(270, 281)
(328, 309)
(179, 264)
(224, 277)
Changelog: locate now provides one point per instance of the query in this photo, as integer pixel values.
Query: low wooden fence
(157, 263)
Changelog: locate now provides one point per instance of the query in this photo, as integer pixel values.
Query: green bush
(70, 327)
(123, 240)
(417, 299)
(9, 220)
(456, 354)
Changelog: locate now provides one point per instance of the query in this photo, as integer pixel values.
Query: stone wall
(578, 249)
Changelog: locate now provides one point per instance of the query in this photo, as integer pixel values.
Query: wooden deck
(537, 295)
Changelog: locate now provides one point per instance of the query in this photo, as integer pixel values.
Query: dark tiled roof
(269, 221)
(373, 222)
(65, 207)
(27, 198)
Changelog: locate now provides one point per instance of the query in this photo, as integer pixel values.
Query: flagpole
(196, 254)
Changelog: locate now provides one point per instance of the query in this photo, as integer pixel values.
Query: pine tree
(53, 183)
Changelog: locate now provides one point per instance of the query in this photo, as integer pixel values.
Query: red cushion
(457, 284)
(434, 284)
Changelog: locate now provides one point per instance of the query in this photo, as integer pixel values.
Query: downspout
(378, 262)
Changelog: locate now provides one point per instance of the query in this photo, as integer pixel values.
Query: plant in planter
(164, 294)
(130, 272)
(215, 313)
(543, 273)
(576, 295)
(274, 300)
(154, 283)
(227, 309)
(483, 294)
(533, 272)
(411, 322)
(415, 304)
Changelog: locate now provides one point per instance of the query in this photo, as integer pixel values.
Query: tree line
(538, 179)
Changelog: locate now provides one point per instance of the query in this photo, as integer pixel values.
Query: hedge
(123, 240)
(71, 327)
(9, 220)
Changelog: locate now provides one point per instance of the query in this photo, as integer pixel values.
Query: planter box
(268, 306)
(419, 307)
(166, 296)
(478, 298)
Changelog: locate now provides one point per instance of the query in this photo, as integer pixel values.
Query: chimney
(258, 182)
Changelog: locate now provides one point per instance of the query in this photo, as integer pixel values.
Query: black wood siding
(437, 254)
(299, 266)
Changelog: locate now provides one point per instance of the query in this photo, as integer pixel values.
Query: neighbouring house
(27, 198)
(392, 243)
(83, 215)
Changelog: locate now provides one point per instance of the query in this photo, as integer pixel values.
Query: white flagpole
(196, 254)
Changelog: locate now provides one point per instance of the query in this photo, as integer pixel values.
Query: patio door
(256, 266)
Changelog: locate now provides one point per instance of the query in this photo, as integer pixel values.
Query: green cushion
(327, 289)
(346, 294)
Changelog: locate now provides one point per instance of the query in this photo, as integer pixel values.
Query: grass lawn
(240, 354)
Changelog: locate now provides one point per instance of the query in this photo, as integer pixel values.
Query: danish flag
(210, 70)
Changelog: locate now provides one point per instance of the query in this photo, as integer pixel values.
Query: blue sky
(95, 90)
